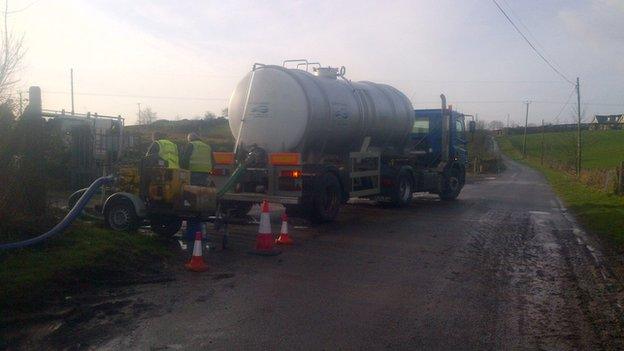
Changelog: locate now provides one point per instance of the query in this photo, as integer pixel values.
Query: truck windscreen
(421, 126)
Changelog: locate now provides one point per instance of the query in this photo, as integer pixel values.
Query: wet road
(504, 267)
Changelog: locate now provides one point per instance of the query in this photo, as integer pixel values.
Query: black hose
(69, 218)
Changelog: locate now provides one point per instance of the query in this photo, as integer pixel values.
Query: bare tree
(209, 115)
(11, 57)
(146, 116)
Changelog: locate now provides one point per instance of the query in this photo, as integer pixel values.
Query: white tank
(287, 110)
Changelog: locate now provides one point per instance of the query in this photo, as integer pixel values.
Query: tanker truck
(320, 139)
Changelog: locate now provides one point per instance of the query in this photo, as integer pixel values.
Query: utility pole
(21, 110)
(526, 124)
(507, 124)
(578, 129)
(139, 115)
(71, 76)
(542, 148)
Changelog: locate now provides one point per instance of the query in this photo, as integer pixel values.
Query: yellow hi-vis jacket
(168, 152)
(201, 157)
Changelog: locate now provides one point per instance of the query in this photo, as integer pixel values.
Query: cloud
(598, 23)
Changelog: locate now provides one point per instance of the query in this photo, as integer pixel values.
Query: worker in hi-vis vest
(197, 158)
(163, 152)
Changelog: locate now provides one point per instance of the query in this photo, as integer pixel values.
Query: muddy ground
(504, 267)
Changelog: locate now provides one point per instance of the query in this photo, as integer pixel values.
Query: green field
(601, 213)
(601, 149)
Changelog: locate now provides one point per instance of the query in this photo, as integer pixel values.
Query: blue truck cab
(427, 137)
(434, 159)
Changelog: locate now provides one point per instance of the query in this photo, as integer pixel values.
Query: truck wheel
(451, 185)
(120, 216)
(165, 226)
(403, 190)
(326, 204)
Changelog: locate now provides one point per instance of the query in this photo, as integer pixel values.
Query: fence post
(621, 178)
(542, 148)
(607, 180)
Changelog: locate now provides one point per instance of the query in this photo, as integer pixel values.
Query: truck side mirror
(472, 126)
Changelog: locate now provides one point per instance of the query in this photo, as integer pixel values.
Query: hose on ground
(67, 220)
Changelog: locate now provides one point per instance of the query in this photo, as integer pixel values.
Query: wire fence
(602, 155)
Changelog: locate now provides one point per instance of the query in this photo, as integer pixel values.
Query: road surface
(503, 267)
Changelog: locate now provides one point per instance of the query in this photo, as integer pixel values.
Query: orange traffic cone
(196, 263)
(264, 239)
(284, 238)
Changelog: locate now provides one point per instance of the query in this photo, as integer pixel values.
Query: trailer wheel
(451, 185)
(165, 226)
(403, 190)
(326, 204)
(120, 216)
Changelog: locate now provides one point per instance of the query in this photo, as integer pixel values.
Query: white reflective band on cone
(265, 223)
(284, 228)
(197, 249)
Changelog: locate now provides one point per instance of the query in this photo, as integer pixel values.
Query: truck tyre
(403, 190)
(120, 216)
(327, 199)
(165, 226)
(452, 183)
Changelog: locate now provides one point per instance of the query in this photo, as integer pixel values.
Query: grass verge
(79, 259)
(597, 211)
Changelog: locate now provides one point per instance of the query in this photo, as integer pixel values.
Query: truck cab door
(459, 138)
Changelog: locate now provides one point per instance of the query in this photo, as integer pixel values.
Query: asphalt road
(503, 267)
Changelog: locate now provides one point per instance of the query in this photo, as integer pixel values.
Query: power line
(531, 44)
(139, 96)
(566, 103)
(530, 34)
(521, 101)
(471, 81)
(22, 9)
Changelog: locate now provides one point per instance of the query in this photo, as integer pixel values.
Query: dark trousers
(192, 227)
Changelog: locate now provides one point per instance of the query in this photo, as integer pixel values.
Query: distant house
(605, 122)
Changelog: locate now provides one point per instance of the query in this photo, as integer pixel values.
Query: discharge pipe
(69, 218)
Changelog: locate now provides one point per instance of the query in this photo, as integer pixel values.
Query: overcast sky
(185, 57)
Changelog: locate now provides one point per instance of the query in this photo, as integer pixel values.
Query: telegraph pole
(542, 148)
(526, 124)
(507, 131)
(139, 115)
(71, 76)
(578, 129)
(21, 110)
